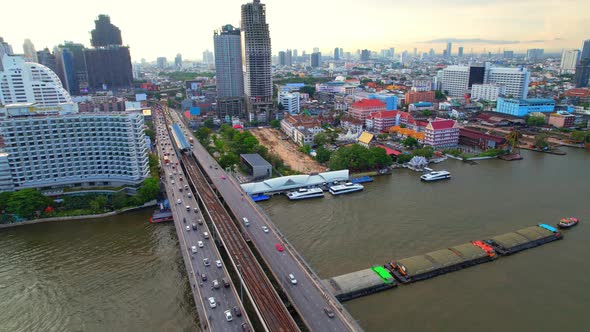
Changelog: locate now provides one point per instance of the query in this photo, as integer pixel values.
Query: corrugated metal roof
(254, 159)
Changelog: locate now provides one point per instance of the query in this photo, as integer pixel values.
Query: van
(246, 222)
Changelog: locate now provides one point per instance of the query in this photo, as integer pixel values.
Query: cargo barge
(526, 238)
(356, 284)
(439, 262)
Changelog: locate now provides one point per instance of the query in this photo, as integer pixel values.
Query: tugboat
(567, 222)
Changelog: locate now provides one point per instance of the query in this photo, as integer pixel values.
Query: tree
(322, 154)
(4, 199)
(424, 152)
(380, 157)
(149, 190)
(203, 134)
(275, 123)
(280, 107)
(208, 123)
(309, 89)
(535, 121)
(440, 95)
(404, 158)
(426, 113)
(410, 142)
(541, 141)
(305, 149)
(228, 160)
(26, 202)
(320, 139)
(99, 203)
(382, 136)
(154, 164)
(151, 134)
(120, 200)
(580, 136)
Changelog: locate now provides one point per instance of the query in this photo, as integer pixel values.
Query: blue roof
(179, 138)
(422, 104)
(549, 228)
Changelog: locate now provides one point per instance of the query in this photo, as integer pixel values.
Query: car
(180, 189)
(228, 316)
(246, 221)
(206, 235)
(180, 179)
(329, 312)
(212, 302)
(218, 263)
(245, 327)
(265, 229)
(172, 182)
(178, 201)
(203, 277)
(200, 221)
(200, 244)
(223, 177)
(292, 279)
(194, 226)
(196, 211)
(188, 228)
(216, 167)
(225, 283)
(194, 249)
(189, 195)
(279, 247)
(185, 186)
(206, 262)
(237, 312)
(215, 284)
(188, 207)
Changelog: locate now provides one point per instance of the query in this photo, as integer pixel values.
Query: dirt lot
(287, 150)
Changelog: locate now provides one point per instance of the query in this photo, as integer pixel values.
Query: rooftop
(368, 103)
(255, 159)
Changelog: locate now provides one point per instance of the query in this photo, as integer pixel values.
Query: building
(578, 96)
(562, 120)
(365, 139)
(257, 58)
(487, 91)
(282, 58)
(421, 106)
(365, 55)
(351, 125)
(161, 62)
(415, 96)
(582, 73)
(109, 67)
(476, 138)
(228, 69)
(380, 121)
(316, 59)
(5, 48)
(569, 60)
(52, 147)
(105, 33)
(29, 50)
(301, 128)
(508, 55)
(46, 58)
(336, 54)
(441, 133)
(290, 101)
(256, 165)
(29, 82)
(455, 80)
(390, 100)
(449, 49)
(522, 107)
(534, 54)
(361, 110)
(178, 61)
(585, 49)
(477, 75)
(516, 80)
(460, 52)
(71, 67)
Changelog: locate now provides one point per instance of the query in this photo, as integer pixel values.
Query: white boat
(346, 188)
(435, 176)
(304, 193)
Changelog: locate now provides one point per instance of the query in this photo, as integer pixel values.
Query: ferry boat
(346, 188)
(567, 222)
(435, 176)
(304, 193)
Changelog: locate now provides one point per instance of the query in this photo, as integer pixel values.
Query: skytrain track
(267, 302)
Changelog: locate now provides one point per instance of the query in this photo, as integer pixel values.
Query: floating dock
(432, 264)
(361, 179)
(356, 284)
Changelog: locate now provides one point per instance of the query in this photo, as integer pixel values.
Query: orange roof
(368, 103)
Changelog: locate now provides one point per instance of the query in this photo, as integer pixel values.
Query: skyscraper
(449, 49)
(534, 54)
(460, 52)
(289, 58)
(365, 55)
(5, 48)
(585, 49)
(208, 57)
(336, 53)
(257, 59)
(161, 62)
(582, 73)
(29, 50)
(71, 67)
(316, 59)
(228, 68)
(282, 58)
(178, 61)
(105, 33)
(569, 60)
(47, 59)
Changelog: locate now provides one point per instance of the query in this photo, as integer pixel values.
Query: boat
(162, 214)
(435, 176)
(346, 188)
(362, 179)
(304, 193)
(260, 198)
(568, 222)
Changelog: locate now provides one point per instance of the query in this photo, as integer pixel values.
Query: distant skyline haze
(186, 27)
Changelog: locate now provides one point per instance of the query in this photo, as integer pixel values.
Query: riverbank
(81, 217)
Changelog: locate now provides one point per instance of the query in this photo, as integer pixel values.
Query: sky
(186, 26)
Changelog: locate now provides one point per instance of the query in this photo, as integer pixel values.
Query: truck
(166, 159)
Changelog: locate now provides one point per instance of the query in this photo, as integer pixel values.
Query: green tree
(541, 141)
(427, 113)
(382, 136)
(151, 134)
(208, 123)
(149, 190)
(404, 158)
(99, 203)
(410, 142)
(280, 107)
(4, 199)
(120, 200)
(309, 89)
(275, 123)
(424, 152)
(380, 157)
(228, 160)
(580, 136)
(320, 139)
(305, 149)
(535, 121)
(439, 94)
(26, 202)
(203, 134)
(322, 154)
(154, 164)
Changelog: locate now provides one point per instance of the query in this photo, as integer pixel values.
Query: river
(124, 274)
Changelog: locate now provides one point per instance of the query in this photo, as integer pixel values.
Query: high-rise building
(516, 80)
(415, 52)
(257, 59)
(109, 67)
(477, 75)
(53, 147)
(5, 48)
(455, 80)
(162, 62)
(208, 58)
(449, 49)
(569, 60)
(341, 52)
(336, 53)
(29, 50)
(460, 52)
(71, 67)
(487, 91)
(178, 61)
(288, 58)
(105, 33)
(29, 82)
(316, 59)
(365, 55)
(534, 54)
(290, 101)
(47, 59)
(316, 50)
(228, 68)
(295, 54)
(508, 54)
(282, 58)
(582, 73)
(585, 50)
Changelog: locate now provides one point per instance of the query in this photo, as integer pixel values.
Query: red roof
(442, 124)
(384, 115)
(421, 123)
(368, 103)
(390, 151)
(404, 115)
(579, 92)
(237, 126)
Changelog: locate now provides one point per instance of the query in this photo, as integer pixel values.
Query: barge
(356, 284)
(526, 238)
(162, 214)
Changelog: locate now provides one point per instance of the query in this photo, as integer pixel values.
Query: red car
(279, 247)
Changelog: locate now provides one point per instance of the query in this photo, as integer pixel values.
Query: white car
(194, 249)
(188, 228)
(206, 262)
(179, 201)
(200, 244)
(189, 195)
(228, 316)
(212, 302)
(292, 278)
(218, 263)
(265, 229)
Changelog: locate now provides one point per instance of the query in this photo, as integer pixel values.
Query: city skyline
(501, 26)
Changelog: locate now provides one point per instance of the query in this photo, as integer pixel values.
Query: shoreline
(86, 216)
